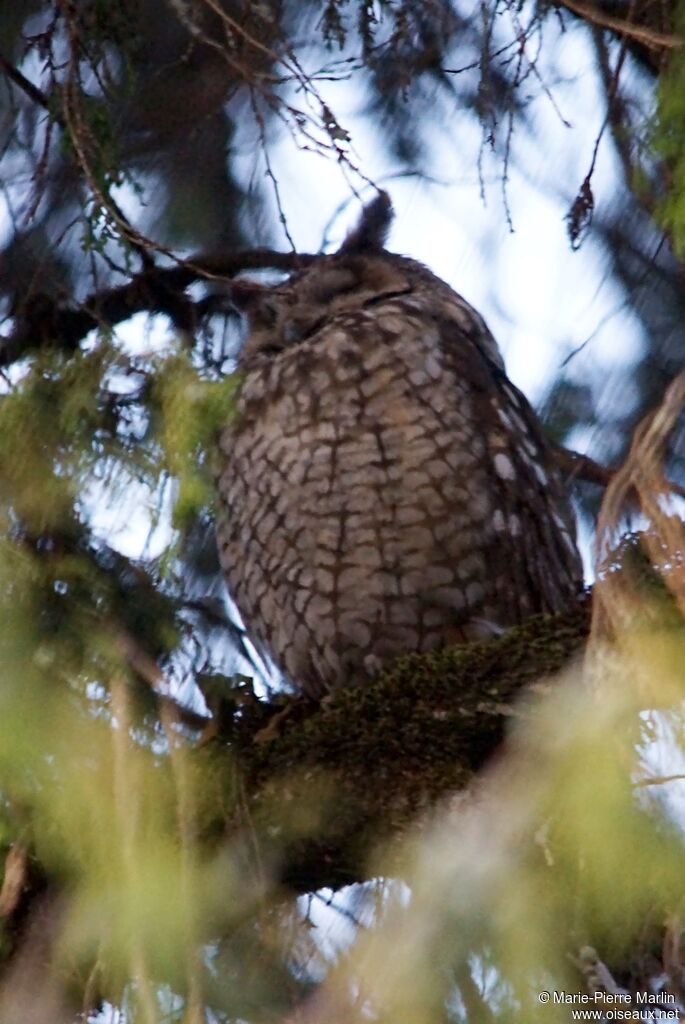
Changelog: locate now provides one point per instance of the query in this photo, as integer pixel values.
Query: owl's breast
(360, 498)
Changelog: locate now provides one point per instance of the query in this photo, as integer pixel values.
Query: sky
(539, 297)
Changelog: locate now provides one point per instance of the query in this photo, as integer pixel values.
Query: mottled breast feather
(384, 487)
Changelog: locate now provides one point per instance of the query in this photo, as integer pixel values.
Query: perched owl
(383, 488)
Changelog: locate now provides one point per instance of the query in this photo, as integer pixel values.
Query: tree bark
(326, 784)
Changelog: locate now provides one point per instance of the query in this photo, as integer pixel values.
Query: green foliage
(668, 141)
(105, 818)
(47, 424)
(65, 601)
(555, 850)
(61, 429)
(193, 410)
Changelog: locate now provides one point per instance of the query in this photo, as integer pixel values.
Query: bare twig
(14, 881)
(581, 467)
(673, 955)
(597, 975)
(642, 475)
(658, 780)
(23, 83)
(147, 669)
(640, 33)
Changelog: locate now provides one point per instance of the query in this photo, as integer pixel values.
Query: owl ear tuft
(372, 229)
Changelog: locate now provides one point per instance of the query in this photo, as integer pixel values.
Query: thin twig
(648, 36)
(658, 780)
(14, 880)
(23, 83)
(641, 477)
(582, 467)
(147, 669)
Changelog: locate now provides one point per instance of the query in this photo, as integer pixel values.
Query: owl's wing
(537, 564)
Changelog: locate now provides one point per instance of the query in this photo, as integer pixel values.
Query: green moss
(386, 751)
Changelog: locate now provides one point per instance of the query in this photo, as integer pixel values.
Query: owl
(383, 487)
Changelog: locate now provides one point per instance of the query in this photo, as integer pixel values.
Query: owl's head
(360, 272)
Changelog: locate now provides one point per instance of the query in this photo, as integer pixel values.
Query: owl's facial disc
(292, 312)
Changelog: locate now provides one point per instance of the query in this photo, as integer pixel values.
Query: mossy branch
(368, 761)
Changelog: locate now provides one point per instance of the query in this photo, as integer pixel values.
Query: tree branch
(581, 467)
(366, 761)
(23, 83)
(42, 321)
(649, 37)
(14, 880)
